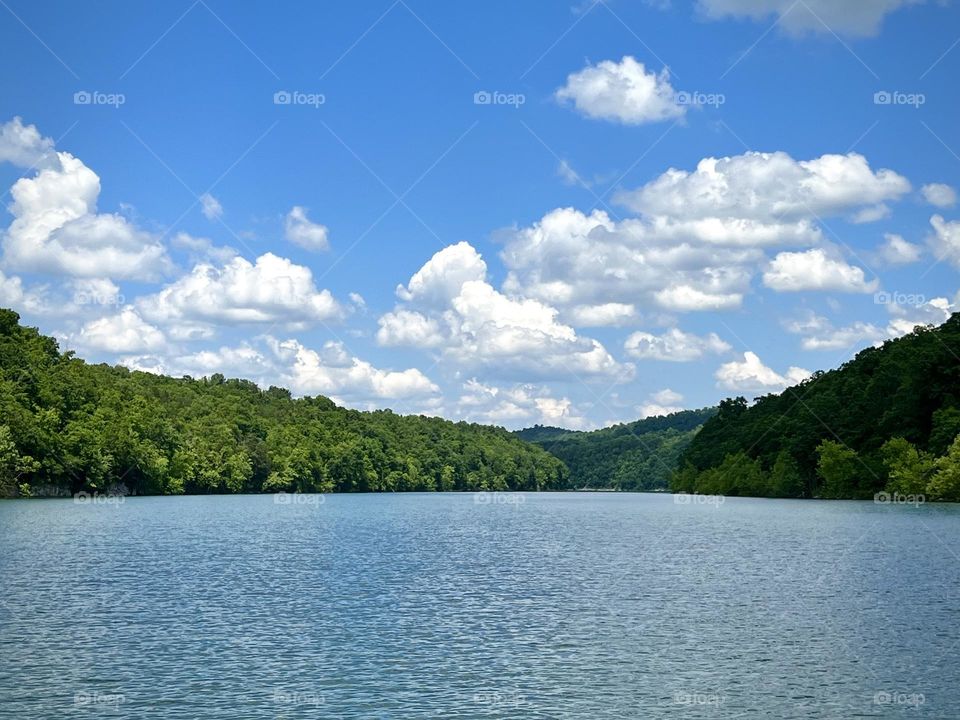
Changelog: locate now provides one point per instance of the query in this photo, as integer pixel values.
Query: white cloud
(897, 251)
(684, 298)
(854, 17)
(24, 146)
(56, 228)
(450, 305)
(517, 406)
(751, 374)
(602, 315)
(210, 206)
(123, 332)
(623, 92)
(907, 317)
(946, 240)
(815, 270)
(334, 372)
(664, 402)
(940, 195)
(273, 290)
(768, 188)
(203, 249)
(300, 230)
(674, 346)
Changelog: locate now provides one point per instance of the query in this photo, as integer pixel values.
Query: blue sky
(503, 212)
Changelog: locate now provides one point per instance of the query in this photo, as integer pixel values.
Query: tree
(908, 469)
(945, 483)
(840, 469)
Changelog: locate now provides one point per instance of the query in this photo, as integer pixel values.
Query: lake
(553, 605)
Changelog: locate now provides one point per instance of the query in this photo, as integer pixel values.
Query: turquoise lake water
(553, 605)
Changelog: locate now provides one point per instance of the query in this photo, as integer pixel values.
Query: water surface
(554, 605)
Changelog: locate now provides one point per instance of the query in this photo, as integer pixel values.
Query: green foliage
(635, 456)
(67, 425)
(828, 436)
(945, 483)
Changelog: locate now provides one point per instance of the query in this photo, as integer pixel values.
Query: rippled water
(569, 605)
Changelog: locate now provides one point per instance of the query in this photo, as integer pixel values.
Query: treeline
(635, 456)
(67, 426)
(887, 421)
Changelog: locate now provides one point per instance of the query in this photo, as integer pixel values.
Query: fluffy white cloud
(699, 236)
(815, 270)
(768, 188)
(750, 374)
(940, 195)
(452, 306)
(674, 346)
(623, 92)
(334, 372)
(300, 230)
(203, 249)
(56, 227)
(853, 17)
(24, 146)
(406, 327)
(517, 406)
(897, 251)
(946, 240)
(907, 317)
(273, 290)
(602, 315)
(661, 403)
(123, 332)
(210, 206)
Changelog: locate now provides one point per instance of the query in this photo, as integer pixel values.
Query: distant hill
(877, 423)
(640, 455)
(66, 426)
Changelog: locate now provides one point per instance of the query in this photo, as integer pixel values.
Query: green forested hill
(878, 423)
(641, 455)
(67, 426)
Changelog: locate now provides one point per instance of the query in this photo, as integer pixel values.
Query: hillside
(67, 426)
(641, 455)
(878, 423)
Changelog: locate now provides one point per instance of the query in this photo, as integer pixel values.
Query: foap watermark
(298, 498)
(898, 298)
(882, 697)
(96, 97)
(896, 97)
(498, 498)
(97, 498)
(496, 698)
(296, 97)
(485, 97)
(885, 498)
(683, 498)
(85, 698)
(699, 698)
(93, 298)
(697, 98)
(297, 697)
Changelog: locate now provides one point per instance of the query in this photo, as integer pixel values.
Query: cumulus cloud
(939, 195)
(664, 402)
(699, 236)
(815, 270)
(124, 332)
(517, 406)
(897, 251)
(751, 375)
(271, 290)
(300, 230)
(210, 207)
(56, 228)
(451, 306)
(624, 92)
(858, 18)
(673, 346)
(945, 240)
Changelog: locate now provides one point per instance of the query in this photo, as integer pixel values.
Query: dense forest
(68, 426)
(885, 422)
(636, 456)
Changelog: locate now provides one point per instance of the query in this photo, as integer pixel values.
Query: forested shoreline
(884, 424)
(67, 426)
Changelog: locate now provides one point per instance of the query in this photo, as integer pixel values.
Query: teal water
(573, 605)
